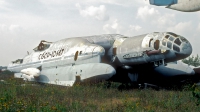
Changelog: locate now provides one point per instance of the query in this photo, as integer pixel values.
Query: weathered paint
(180, 5)
(97, 57)
(186, 6)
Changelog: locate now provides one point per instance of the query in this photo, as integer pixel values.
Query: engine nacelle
(163, 2)
(176, 68)
(28, 77)
(31, 72)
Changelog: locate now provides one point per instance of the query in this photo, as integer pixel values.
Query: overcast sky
(24, 23)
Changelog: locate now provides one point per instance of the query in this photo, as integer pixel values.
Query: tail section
(163, 2)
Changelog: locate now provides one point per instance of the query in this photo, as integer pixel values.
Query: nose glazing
(185, 47)
(178, 44)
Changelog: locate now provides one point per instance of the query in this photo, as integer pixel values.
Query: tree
(194, 61)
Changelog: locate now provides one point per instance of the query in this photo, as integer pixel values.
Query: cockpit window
(150, 42)
(42, 46)
(169, 44)
(177, 41)
(171, 38)
(76, 56)
(176, 48)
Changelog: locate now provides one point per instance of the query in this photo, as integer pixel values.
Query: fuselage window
(76, 56)
(114, 51)
(177, 41)
(169, 44)
(150, 42)
(156, 44)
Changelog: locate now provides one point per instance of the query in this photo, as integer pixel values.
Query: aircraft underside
(67, 74)
(142, 74)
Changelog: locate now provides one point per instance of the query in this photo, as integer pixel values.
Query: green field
(95, 97)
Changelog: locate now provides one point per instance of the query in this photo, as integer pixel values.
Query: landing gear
(125, 86)
(147, 85)
(133, 77)
(158, 63)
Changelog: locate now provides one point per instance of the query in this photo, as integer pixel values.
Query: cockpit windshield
(42, 46)
(172, 41)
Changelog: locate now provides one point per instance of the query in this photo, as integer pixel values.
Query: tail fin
(163, 2)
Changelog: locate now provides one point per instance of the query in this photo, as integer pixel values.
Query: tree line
(192, 60)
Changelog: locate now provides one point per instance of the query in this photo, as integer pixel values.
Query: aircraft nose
(177, 44)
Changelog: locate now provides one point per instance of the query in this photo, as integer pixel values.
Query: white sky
(24, 23)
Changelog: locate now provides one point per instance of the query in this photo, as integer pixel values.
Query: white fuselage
(97, 57)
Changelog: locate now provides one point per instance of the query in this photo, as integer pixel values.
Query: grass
(96, 97)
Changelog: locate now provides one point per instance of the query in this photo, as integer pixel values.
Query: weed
(93, 97)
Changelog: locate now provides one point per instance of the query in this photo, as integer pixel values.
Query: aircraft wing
(175, 68)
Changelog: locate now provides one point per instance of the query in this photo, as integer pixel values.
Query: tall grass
(96, 97)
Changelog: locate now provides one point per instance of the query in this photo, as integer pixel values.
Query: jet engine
(153, 47)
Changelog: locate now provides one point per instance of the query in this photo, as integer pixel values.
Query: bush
(194, 61)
